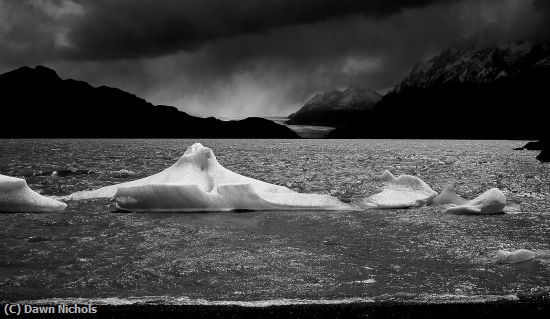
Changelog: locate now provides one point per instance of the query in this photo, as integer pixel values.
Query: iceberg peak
(448, 196)
(387, 176)
(199, 155)
(197, 148)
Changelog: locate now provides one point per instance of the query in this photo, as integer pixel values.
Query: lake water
(93, 252)
(304, 131)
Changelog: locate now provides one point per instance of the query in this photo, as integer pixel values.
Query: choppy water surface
(91, 251)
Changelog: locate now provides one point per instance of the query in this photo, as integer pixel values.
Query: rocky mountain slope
(468, 64)
(498, 92)
(36, 102)
(334, 107)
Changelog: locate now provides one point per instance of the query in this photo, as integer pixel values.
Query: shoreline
(526, 308)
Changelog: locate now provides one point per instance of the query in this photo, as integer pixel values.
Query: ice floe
(197, 182)
(16, 197)
(410, 191)
(400, 192)
(448, 196)
(516, 256)
(491, 201)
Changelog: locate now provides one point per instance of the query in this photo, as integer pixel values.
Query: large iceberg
(400, 192)
(17, 197)
(197, 182)
(491, 201)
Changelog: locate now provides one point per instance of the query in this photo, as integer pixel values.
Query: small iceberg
(17, 197)
(491, 201)
(516, 256)
(400, 192)
(197, 182)
(448, 196)
(410, 191)
(122, 173)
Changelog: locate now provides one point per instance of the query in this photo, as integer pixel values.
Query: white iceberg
(197, 182)
(491, 201)
(17, 197)
(448, 196)
(516, 256)
(400, 192)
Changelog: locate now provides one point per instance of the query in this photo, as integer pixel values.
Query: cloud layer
(248, 57)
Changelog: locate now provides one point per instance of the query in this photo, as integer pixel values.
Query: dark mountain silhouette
(38, 103)
(531, 146)
(544, 155)
(465, 93)
(334, 107)
(541, 145)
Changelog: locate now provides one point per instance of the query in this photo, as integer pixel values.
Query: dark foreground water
(90, 251)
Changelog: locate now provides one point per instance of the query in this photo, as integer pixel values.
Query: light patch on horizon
(243, 95)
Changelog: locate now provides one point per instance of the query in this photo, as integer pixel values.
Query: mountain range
(36, 102)
(466, 92)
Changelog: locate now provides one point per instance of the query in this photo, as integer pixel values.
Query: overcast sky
(250, 57)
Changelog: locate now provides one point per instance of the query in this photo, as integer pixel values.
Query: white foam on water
(462, 298)
(366, 281)
(186, 301)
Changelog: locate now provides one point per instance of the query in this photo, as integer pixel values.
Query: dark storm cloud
(274, 72)
(136, 28)
(255, 57)
(34, 31)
